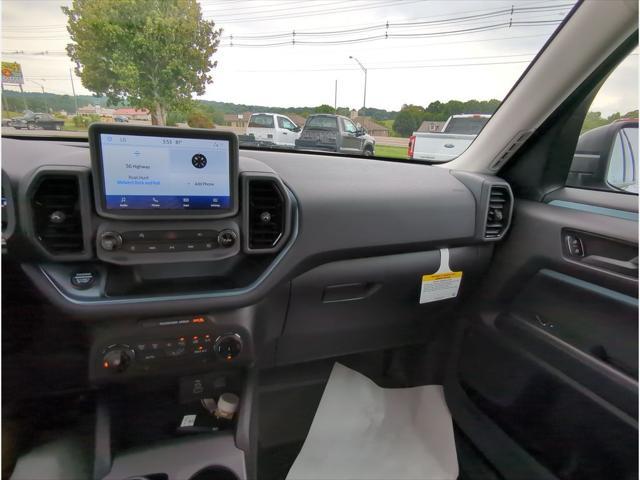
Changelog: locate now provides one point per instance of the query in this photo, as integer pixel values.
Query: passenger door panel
(548, 355)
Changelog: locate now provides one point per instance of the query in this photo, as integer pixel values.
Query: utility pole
(4, 100)
(335, 101)
(73, 89)
(364, 100)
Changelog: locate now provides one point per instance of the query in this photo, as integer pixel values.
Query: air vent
(57, 220)
(266, 214)
(498, 212)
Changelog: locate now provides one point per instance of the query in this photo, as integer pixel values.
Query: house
(237, 119)
(372, 127)
(429, 126)
(133, 113)
(89, 110)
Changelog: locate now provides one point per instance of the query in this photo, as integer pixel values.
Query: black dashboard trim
(188, 297)
(26, 189)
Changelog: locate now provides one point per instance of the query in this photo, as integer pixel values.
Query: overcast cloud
(299, 75)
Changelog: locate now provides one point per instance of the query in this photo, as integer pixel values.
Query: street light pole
(364, 100)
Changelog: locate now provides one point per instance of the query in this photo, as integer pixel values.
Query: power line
(386, 36)
(315, 13)
(391, 25)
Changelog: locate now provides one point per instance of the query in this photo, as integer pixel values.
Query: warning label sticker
(441, 285)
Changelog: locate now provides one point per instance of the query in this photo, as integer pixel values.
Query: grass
(391, 152)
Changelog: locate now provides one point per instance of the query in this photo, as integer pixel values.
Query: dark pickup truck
(335, 133)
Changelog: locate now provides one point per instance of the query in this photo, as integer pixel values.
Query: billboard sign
(12, 73)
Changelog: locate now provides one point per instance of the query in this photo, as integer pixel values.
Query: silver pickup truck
(456, 135)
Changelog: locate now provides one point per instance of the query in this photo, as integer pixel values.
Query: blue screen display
(165, 173)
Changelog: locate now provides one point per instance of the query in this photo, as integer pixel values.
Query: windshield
(377, 73)
(329, 123)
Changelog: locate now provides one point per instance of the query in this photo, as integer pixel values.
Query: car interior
(118, 322)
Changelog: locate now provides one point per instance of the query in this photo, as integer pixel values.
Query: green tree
(324, 108)
(406, 122)
(152, 54)
(593, 120)
(199, 120)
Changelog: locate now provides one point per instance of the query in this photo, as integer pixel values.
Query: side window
(261, 121)
(348, 125)
(606, 156)
(285, 123)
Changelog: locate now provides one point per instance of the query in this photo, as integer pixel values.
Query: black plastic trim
(26, 190)
(246, 180)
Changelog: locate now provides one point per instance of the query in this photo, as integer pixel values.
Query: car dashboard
(323, 256)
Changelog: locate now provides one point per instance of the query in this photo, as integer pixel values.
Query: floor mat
(364, 432)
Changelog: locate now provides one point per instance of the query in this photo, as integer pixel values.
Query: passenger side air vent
(266, 214)
(498, 212)
(57, 219)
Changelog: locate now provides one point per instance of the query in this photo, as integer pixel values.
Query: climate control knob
(228, 346)
(110, 241)
(226, 238)
(117, 358)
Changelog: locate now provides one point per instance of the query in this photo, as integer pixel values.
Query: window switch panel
(574, 245)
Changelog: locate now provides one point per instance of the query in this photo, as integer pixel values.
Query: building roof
(297, 119)
(131, 111)
(369, 124)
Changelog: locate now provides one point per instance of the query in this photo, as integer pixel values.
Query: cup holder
(215, 473)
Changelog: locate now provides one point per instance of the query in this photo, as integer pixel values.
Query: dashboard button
(142, 236)
(150, 247)
(83, 280)
(110, 241)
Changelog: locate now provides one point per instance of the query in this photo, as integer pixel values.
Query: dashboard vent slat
(266, 214)
(57, 219)
(498, 211)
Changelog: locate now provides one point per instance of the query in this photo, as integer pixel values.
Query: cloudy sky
(468, 50)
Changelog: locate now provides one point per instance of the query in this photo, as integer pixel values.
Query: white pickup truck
(273, 128)
(456, 135)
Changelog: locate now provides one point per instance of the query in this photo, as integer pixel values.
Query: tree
(406, 122)
(324, 108)
(151, 54)
(199, 120)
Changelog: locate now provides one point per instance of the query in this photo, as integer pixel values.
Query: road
(380, 140)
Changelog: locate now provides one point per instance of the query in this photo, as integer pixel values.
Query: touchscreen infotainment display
(146, 173)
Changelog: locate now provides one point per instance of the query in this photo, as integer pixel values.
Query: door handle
(627, 267)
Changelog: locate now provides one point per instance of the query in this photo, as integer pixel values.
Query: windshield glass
(384, 76)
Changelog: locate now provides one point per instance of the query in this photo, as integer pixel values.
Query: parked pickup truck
(456, 135)
(273, 128)
(334, 133)
(31, 121)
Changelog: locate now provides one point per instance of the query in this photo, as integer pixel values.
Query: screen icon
(199, 160)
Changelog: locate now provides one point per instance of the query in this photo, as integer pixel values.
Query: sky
(460, 65)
